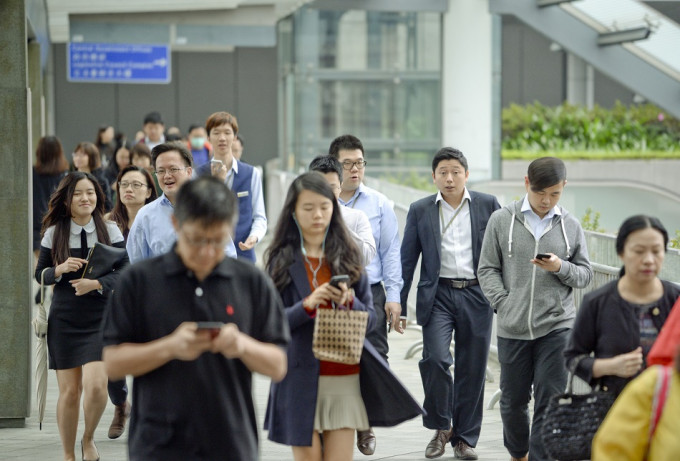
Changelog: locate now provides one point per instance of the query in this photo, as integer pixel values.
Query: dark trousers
(458, 402)
(118, 392)
(538, 362)
(378, 335)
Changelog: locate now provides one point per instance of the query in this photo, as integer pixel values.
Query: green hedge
(514, 154)
(638, 128)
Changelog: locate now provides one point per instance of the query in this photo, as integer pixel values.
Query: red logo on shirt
(229, 309)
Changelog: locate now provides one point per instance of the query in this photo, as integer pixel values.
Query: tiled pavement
(404, 442)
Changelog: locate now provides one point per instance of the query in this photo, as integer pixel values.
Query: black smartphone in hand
(337, 279)
(213, 327)
(542, 256)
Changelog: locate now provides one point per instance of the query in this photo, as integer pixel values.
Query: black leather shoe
(366, 442)
(437, 445)
(464, 451)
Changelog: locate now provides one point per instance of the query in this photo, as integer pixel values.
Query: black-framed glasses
(136, 185)
(173, 171)
(360, 164)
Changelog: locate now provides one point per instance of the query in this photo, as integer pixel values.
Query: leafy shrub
(591, 221)
(536, 127)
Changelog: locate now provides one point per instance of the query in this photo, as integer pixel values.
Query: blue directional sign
(118, 63)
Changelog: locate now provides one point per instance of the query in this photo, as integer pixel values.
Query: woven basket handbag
(339, 335)
(571, 421)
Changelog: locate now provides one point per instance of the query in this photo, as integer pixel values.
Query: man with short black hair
(447, 229)
(192, 326)
(154, 129)
(152, 233)
(242, 178)
(355, 220)
(534, 298)
(384, 272)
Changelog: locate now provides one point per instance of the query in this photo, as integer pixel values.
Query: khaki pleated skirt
(339, 404)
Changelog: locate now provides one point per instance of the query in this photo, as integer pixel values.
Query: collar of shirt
(354, 197)
(174, 265)
(89, 227)
(163, 200)
(526, 208)
(466, 195)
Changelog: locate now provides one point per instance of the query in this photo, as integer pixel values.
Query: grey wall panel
(511, 62)
(79, 107)
(531, 71)
(608, 91)
(134, 101)
(256, 80)
(206, 84)
(243, 82)
(543, 70)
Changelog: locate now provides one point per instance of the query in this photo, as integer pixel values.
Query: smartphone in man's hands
(542, 256)
(212, 327)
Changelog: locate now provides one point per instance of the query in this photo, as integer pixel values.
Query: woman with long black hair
(319, 398)
(73, 223)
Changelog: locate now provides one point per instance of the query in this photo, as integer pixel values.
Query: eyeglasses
(215, 244)
(136, 185)
(173, 171)
(360, 164)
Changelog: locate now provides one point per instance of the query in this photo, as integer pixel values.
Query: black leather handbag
(103, 259)
(571, 421)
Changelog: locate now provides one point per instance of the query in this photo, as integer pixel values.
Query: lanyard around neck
(441, 216)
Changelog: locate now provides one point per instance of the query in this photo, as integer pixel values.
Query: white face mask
(197, 143)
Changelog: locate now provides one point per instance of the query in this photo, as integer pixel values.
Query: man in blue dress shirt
(152, 233)
(384, 271)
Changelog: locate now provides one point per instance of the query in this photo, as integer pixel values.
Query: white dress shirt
(360, 229)
(456, 254)
(537, 225)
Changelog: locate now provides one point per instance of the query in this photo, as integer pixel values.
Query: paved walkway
(404, 442)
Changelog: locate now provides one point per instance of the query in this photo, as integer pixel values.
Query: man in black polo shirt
(192, 386)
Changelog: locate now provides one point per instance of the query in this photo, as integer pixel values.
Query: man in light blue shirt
(152, 233)
(384, 271)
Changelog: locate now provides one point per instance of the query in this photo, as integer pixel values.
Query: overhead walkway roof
(650, 66)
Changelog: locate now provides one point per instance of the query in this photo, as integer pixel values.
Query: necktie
(83, 244)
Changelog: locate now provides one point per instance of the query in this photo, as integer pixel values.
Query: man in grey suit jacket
(448, 229)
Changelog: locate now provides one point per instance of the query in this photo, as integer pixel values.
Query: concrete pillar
(15, 216)
(467, 83)
(580, 82)
(35, 83)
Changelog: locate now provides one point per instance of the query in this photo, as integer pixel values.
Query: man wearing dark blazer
(447, 229)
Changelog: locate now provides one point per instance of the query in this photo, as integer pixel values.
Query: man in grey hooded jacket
(533, 256)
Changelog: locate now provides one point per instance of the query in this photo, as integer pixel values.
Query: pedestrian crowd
(184, 310)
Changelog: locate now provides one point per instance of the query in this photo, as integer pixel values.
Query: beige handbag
(339, 335)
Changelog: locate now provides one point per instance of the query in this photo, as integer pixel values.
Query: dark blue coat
(292, 402)
(422, 235)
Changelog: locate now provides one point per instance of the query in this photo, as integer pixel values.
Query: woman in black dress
(73, 223)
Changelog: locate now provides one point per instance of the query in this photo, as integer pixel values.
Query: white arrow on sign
(161, 62)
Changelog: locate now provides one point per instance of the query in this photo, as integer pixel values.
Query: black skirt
(74, 325)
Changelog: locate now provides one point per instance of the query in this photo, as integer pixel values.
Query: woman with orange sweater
(318, 398)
